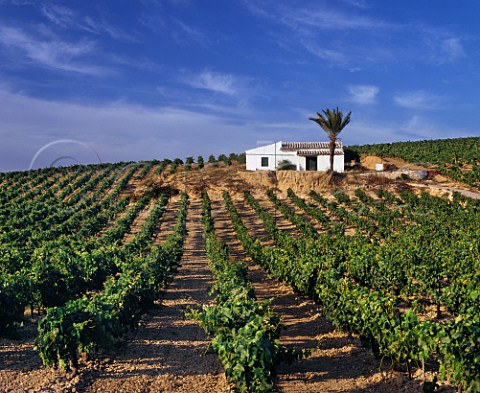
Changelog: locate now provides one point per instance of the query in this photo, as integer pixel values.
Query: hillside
(362, 268)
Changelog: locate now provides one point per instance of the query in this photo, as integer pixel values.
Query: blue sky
(137, 80)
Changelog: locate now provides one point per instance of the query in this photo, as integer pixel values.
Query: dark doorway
(311, 163)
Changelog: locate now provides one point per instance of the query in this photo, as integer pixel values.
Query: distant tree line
(200, 162)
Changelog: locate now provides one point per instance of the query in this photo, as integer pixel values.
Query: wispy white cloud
(331, 55)
(101, 27)
(67, 18)
(158, 18)
(450, 51)
(419, 99)
(363, 94)
(189, 33)
(217, 82)
(318, 17)
(51, 52)
(440, 46)
(358, 3)
(420, 127)
(323, 18)
(18, 2)
(59, 15)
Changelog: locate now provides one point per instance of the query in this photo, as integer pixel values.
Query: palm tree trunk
(332, 152)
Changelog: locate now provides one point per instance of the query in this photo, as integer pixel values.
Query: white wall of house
(272, 153)
(323, 163)
(301, 163)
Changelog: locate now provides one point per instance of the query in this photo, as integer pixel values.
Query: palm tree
(332, 123)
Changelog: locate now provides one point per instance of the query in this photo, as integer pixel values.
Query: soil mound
(235, 179)
(370, 162)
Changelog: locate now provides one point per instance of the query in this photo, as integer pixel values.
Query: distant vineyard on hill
(458, 158)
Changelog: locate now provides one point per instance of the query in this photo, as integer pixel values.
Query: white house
(306, 156)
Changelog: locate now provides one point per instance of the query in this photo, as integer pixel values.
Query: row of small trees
(211, 160)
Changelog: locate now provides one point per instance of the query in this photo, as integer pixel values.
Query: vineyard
(164, 276)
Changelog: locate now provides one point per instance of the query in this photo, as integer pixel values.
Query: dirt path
(467, 193)
(168, 220)
(169, 353)
(253, 222)
(319, 227)
(282, 222)
(139, 221)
